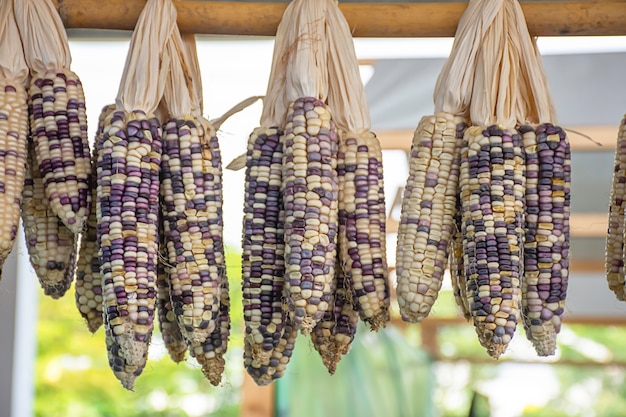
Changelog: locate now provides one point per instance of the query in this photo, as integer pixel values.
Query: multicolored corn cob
(427, 214)
(210, 353)
(13, 154)
(58, 125)
(129, 157)
(614, 255)
(263, 262)
(88, 285)
(546, 247)
(310, 195)
(493, 181)
(274, 368)
(333, 335)
(170, 332)
(362, 237)
(51, 245)
(192, 218)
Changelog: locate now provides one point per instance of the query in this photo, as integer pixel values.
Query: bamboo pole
(420, 19)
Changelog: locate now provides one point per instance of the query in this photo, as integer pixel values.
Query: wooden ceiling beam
(419, 19)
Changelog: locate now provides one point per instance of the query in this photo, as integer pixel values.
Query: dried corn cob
(263, 262)
(58, 125)
(191, 196)
(427, 215)
(546, 249)
(13, 153)
(274, 368)
(615, 237)
(172, 337)
(51, 245)
(310, 193)
(88, 285)
(127, 208)
(210, 353)
(333, 335)
(492, 179)
(362, 237)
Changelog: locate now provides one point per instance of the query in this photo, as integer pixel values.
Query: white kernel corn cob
(13, 154)
(51, 245)
(310, 194)
(58, 125)
(427, 214)
(362, 237)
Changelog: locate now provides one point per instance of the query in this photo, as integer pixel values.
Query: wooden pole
(421, 19)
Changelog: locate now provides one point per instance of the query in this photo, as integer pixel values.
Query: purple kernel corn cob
(546, 247)
(263, 255)
(129, 157)
(427, 215)
(614, 254)
(362, 217)
(170, 332)
(13, 154)
(310, 195)
(274, 368)
(192, 218)
(88, 285)
(210, 353)
(58, 125)
(333, 335)
(51, 245)
(492, 179)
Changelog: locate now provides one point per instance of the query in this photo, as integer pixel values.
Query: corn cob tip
(379, 321)
(212, 369)
(127, 380)
(307, 325)
(94, 324)
(546, 347)
(618, 290)
(332, 354)
(56, 290)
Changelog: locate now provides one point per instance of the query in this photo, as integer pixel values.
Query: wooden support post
(256, 401)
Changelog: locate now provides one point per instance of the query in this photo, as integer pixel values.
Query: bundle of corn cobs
(314, 217)
(489, 188)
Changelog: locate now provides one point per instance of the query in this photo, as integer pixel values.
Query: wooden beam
(582, 138)
(419, 19)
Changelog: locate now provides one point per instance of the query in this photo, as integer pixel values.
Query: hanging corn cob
(129, 157)
(191, 181)
(58, 122)
(51, 245)
(430, 194)
(172, 337)
(266, 373)
(309, 177)
(263, 264)
(333, 335)
(210, 353)
(493, 182)
(362, 214)
(492, 192)
(88, 285)
(614, 257)
(548, 159)
(13, 128)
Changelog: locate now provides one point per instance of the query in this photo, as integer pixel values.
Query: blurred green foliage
(73, 377)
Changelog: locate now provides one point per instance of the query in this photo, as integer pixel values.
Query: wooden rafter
(415, 19)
